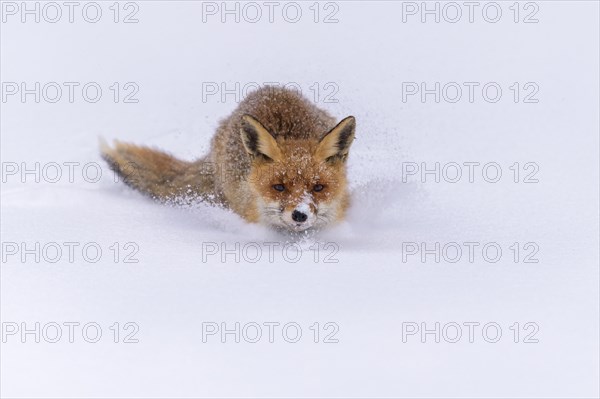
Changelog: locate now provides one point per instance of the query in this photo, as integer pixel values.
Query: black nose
(299, 216)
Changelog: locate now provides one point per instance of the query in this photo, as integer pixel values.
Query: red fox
(277, 160)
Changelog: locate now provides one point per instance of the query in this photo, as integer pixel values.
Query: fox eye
(318, 187)
(279, 187)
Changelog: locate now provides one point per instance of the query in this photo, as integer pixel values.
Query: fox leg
(160, 175)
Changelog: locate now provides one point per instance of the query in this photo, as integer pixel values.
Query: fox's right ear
(336, 143)
(257, 140)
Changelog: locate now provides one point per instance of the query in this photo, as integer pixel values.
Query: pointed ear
(257, 140)
(336, 143)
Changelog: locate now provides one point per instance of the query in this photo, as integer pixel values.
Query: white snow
(201, 265)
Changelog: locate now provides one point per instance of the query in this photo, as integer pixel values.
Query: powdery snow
(515, 258)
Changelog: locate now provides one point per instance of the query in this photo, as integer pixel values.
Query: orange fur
(275, 138)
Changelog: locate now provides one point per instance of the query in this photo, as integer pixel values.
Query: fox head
(298, 183)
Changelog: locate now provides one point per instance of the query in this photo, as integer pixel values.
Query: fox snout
(301, 216)
(298, 216)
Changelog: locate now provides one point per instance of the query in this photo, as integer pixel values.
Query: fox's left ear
(336, 143)
(257, 139)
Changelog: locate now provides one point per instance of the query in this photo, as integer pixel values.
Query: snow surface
(371, 291)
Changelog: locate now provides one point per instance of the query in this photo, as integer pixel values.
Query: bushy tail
(160, 175)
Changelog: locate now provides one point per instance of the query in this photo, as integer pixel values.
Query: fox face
(298, 183)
